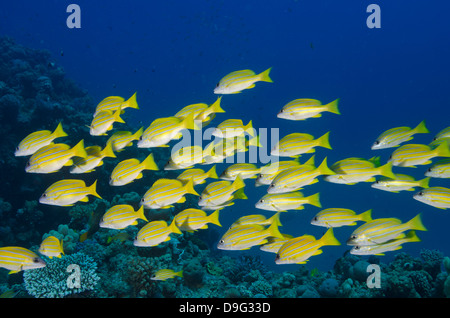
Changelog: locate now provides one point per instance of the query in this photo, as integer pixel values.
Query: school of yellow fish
(283, 179)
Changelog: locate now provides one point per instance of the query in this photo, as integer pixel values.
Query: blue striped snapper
(129, 170)
(296, 144)
(354, 170)
(165, 192)
(185, 157)
(51, 247)
(270, 171)
(231, 128)
(155, 232)
(103, 122)
(243, 237)
(198, 176)
(162, 130)
(395, 136)
(217, 151)
(444, 133)
(121, 216)
(112, 103)
(121, 139)
(53, 157)
(67, 192)
(17, 259)
(191, 220)
(304, 108)
(274, 243)
(297, 177)
(38, 139)
(298, 250)
(165, 274)
(337, 217)
(237, 81)
(287, 201)
(439, 197)
(440, 169)
(201, 111)
(402, 182)
(258, 219)
(95, 155)
(218, 192)
(380, 249)
(239, 194)
(411, 155)
(244, 170)
(379, 231)
(437, 142)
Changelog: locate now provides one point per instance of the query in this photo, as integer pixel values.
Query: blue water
(174, 52)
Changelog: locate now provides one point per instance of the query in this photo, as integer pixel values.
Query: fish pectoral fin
(69, 163)
(85, 199)
(318, 252)
(182, 200)
(166, 207)
(139, 176)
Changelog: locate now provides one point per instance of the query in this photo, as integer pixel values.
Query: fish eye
(377, 142)
(217, 85)
(272, 185)
(221, 241)
(420, 193)
(28, 164)
(262, 201)
(140, 138)
(316, 218)
(35, 260)
(142, 200)
(429, 170)
(44, 195)
(356, 247)
(353, 237)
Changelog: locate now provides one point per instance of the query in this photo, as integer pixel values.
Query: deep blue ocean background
(172, 53)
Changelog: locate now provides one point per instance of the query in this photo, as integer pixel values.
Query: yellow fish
(17, 258)
(162, 130)
(219, 192)
(395, 136)
(298, 250)
(379, 231)
(35, 141)
(155, 232)
(217, 151)
(198, 176)
(244, 170)
(380, 249)
(287, 201)
(201, 112)
(258, 219)
(274, 243)
(441, 169)
(128, 170)
(439, 197)
(231, 128)
(185, 157)
(194, 219)
(337, 217)
(411, 155)
(94, 159)
(67, 192)
(122, 139)
(164, 192)
(164, 274)
(243, 237)
(237, 81)
(51, 247)
(103, 122)
(303, 108)
(112, 103)
(296, 144)
(402, 182)
(271, 170)
(121, 216)
(53, 157)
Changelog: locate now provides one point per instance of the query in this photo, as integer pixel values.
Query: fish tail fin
(442, 150)
(179, 274)
(59, 132)
(141, 214)
(324, 141)
(329, 239)
(117, 117)
(424, 183)
(173, 228)
(61, 245)
(149, 163)
(421, 128)
(333, 107)
(131, 102)
(264, 76)
(214, 218)
(309, 162)
(411, 236)
(249, 129)
(108, 150)
(386, 170)
(314, 200)
(189, 187)
(274, 231)
(275, 219)
(138, 134)
(238, 183)
(93, 190)
(416, 223)
(366, 216)
(79, 150)
(239, 194)
(323, 168)
(212, 173)
(254, 141)
(215, 107)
